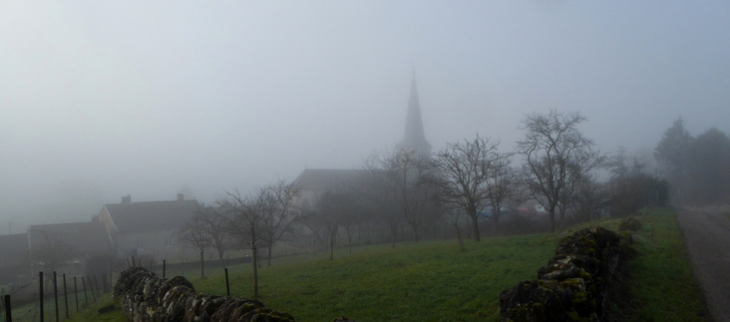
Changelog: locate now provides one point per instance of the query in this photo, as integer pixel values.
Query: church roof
(414, 137)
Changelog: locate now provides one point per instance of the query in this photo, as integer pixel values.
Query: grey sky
(101, 99)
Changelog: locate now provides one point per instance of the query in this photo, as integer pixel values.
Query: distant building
(71, 248)
(147, 229)
(414, 137)
(313, 183)
(14, 260)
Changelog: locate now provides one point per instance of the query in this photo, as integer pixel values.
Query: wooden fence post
(76, 294)
(91, 288)
(40, 275)
(8, 313)
(65, 295)
(96, 282)
(55, 294)
(86, 297)
(228, 287)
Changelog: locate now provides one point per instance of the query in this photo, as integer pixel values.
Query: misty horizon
(100, 101)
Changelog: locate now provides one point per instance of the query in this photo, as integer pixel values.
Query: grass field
(428, 281)
(433, 281)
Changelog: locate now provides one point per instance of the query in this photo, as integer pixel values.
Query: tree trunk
(475, 224)
(552, 218)
(461, 240)
(496, 215)
(393, 232)
(332, 245)
(349, 239)
(359, 234)
(202, 264)
(220, 256)
(254, 260)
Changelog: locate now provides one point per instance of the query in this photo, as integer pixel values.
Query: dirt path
(708, 240)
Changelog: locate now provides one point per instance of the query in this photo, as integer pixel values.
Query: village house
(147, 230)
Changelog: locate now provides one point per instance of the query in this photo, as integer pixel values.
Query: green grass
(661, 283)
(90, 313)
(433, 281)
(427, 281)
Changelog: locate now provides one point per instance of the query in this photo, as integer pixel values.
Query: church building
(414, 138)
(314, 183)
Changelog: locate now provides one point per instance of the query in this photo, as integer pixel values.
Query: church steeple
(414, 137)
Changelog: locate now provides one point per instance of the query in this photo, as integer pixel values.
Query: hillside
(433, 281)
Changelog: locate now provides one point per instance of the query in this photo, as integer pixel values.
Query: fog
(100, 100)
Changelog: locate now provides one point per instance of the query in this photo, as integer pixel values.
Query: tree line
(401, 195)
(697, 168)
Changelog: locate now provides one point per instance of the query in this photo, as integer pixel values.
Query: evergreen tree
(672, 153)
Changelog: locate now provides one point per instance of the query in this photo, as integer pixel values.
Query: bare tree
(379, 188)
(464, 171)
(193, 235)
(278, 213)
(213, 224)
(631, 187)
(245, 222)
(331, 211)
(579, 177)
(52, 252)
(353, 213)
(454, 216)
(413, 182)
(587, 198)
(503, 186)
(556, 156)
(182, 257)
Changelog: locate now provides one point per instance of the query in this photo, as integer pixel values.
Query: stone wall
(144, 297)
(572, 286)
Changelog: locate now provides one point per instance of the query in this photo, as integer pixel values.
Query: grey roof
(414, 137)
(83, 237)
(327, 179)
(151, 215)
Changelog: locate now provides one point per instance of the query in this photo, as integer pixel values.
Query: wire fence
(50, 297)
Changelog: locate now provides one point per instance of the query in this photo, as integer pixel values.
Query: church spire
(414, 137)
